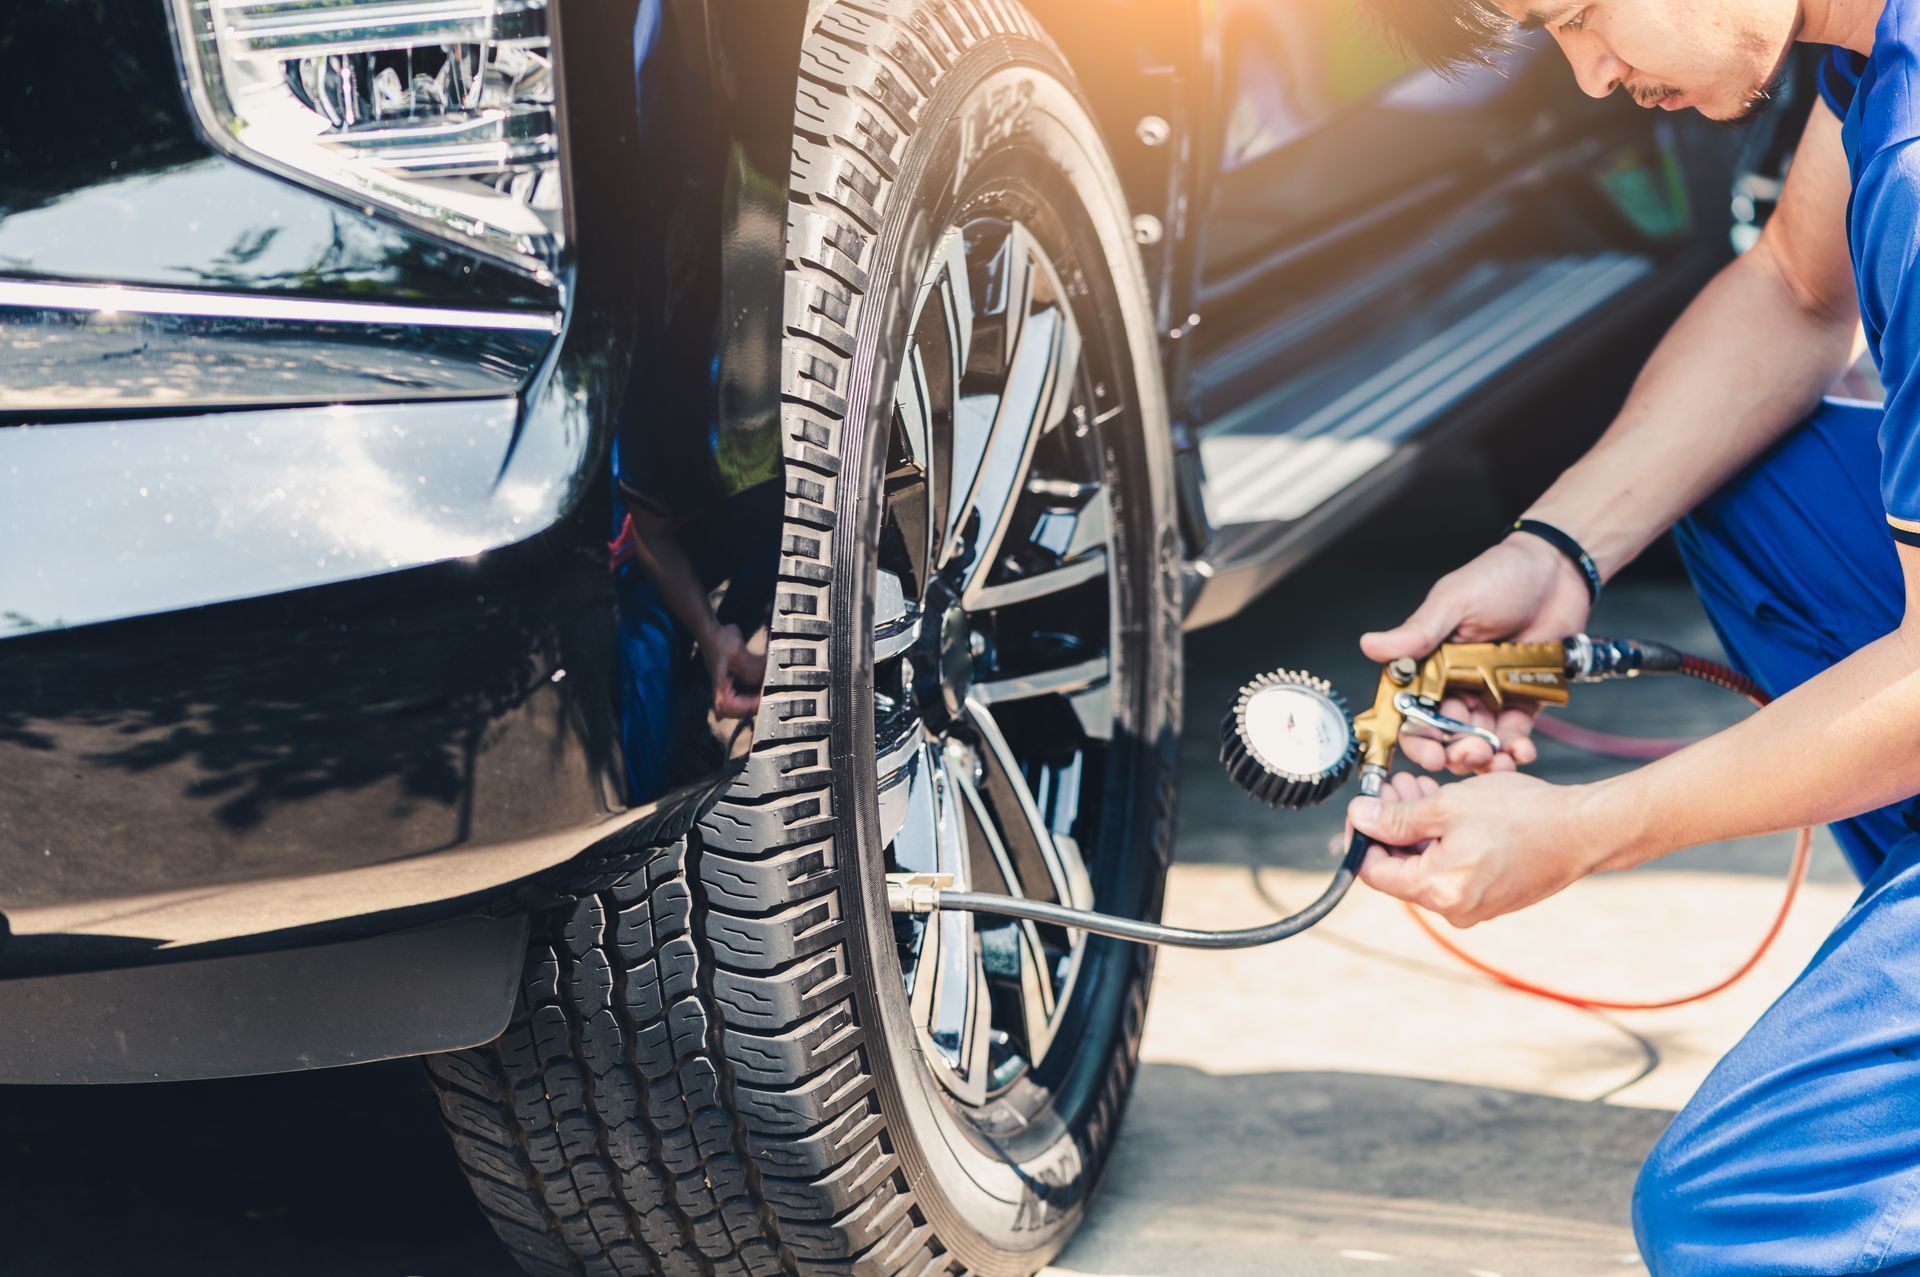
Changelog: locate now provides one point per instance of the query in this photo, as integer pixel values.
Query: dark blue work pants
(1800, 1154)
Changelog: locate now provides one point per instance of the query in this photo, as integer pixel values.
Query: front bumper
(306, 626)
(286, 671)
(333, 760)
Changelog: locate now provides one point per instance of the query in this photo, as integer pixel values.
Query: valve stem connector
(916, 893)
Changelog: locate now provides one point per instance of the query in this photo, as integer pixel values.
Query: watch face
(1296, 730)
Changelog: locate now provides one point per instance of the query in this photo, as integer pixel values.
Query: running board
(1282, 467)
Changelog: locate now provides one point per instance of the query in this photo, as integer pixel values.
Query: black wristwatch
(1589, 570)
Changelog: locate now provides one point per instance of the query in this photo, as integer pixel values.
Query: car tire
(728, 1056)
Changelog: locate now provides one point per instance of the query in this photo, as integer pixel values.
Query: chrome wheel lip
(957, 792)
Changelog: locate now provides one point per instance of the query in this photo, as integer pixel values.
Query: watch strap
(1589, 570)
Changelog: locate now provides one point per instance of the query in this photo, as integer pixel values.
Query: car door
(1321, 121)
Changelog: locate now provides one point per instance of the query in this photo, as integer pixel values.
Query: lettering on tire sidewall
(997, 116)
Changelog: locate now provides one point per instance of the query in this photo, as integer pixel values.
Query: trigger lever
(1427, 715)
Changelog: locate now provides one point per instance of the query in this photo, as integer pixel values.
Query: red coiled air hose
(1642, 748)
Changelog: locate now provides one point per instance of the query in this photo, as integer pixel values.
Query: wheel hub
(957, 646)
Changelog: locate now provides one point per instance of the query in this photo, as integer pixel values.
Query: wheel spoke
(1092, 526)
(896, 616)
(908, 526)
(1044, 868)
(1013, 951)
(1093, 706)
(1075, 535)
(1063, 680)
(948, 994)
(1025, 589)
(942, 344)
(952, 288)
(983, 421)
(1042, 346)
(906, 799)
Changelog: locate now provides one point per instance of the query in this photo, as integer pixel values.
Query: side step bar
(1280, 467)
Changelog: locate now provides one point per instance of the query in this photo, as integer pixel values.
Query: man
(1801, 1153)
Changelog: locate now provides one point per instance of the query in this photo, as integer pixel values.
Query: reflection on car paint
(211, 223)
(69, 360)
(695, 457)
(377, 752)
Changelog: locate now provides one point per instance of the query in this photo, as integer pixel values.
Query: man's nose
(1598, 70)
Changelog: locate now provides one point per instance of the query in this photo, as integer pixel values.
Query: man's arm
(1844, 742)
(736, 671)
(1747, 360)
(1837, 745)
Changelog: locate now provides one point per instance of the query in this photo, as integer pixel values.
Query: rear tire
(717, 1066)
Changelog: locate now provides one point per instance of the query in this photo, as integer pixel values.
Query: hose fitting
(1591, 659)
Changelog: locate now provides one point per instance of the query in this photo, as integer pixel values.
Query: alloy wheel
(993, 648)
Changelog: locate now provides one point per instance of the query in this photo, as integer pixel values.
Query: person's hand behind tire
(1522, 590)
(736, 671)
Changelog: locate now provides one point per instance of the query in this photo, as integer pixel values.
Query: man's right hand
(1522, 590)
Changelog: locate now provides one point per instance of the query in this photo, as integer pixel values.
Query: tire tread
(685, 1088)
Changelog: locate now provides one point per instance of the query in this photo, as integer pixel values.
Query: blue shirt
(1878, 100)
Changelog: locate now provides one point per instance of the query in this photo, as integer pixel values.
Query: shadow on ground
(339, 1173)
(345, 1173)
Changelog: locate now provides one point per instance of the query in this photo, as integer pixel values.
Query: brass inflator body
(1500, 672)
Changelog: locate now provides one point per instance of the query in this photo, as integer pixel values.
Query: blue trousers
(1801, 1152)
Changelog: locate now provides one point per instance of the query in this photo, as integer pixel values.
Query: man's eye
(1576, 22)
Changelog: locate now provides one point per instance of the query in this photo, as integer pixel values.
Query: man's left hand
(1476, 849)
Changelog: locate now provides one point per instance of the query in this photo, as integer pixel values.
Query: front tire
(731, 1058)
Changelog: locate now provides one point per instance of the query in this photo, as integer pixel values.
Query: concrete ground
(1348, 1102)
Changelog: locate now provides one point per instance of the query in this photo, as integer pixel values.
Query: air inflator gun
(1290, 741)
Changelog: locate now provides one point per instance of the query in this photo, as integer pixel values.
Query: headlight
(441, 111)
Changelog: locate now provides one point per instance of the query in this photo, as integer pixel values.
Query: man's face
(1720, 57)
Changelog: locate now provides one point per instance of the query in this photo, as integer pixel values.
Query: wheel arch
(678, 159)
(1133, 59)
(679, 125)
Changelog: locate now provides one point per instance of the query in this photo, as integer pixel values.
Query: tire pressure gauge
(1288, 740)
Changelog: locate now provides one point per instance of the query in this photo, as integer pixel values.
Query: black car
(517, 516)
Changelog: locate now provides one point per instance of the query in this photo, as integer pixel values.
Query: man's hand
(1477, 849)
(733, 666)
(1522, 590)
(647, 537)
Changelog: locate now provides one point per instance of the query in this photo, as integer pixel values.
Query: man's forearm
(1744, 362)
(1838, 745)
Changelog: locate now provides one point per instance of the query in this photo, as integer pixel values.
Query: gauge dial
(1288, 739)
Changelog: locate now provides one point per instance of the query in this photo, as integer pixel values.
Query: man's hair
(1446, 35)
